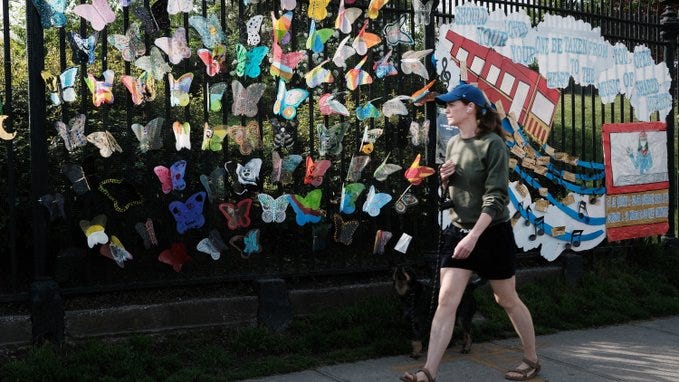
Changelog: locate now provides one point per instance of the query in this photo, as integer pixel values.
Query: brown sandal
(524, 374)
(407, 377)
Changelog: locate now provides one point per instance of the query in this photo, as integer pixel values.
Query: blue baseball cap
(464, 92)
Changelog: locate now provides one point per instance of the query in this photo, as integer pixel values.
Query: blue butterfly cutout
(374, 201)
(190, 214)
(51, 12)
(287, 101)
(251, 241)
(273, 210)
(350, 194)
(304, 214)
(368, 110)
(209, 29)
(83, 48)
(249, 61)
(317, 38)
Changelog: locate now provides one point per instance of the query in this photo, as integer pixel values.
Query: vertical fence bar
(669, 25)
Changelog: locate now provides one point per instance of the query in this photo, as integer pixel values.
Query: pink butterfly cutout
(99, 13)
(237, 215)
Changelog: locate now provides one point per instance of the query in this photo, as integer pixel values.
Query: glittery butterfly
(209, 29)
(179, 89)
(188, 215)
(131, 45)
(317, 9)
(73, 134)
(245, 100)
(344, 231)
(356, 166)
(94, 230)
(365, 40)
(213, 245)
(343, 52)
(252, 26)
(150, 137)
(385, 169)
(175, 47)
(374, 201)
(318, 75)
(51, 12)
(419, 134)
(350, 194)
(248, 244)
(99, 13)
(213, 59)
(416, 172)
(346, 17)
(287, 101)
(237, 215)
(368, 139)
(182, 135)
(328, 105)
(284, 133)
(281, 27)
(175, 256)
(171, 178)
(406, 201)
(330, 139)
(315, 171)
(374, 8)
(367, 110)
(154, 17)
(395, 106)
(283, 64)
(383, 67)
(83, 48)
(177, 6)
(247, 137)
(213, 137)
(307, 208)
(395, 34)
(102, 91)
(248, 61)
(142, 88)
(147, 233)
(121, 193)
(422, 11)
(214, 184)
(357, 76)
(115, 251)
(154, 63)
(63, 87)
(317, 38)
(283, 168)
(105, 142)
(273, 210)
(410, 63)
(216, 93)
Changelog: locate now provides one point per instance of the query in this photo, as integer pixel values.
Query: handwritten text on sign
(646, 207)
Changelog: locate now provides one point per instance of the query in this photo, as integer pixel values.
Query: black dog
(416, 301)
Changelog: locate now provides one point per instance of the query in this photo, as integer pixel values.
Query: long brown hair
(488, 119)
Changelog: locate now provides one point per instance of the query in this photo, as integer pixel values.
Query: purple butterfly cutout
(190, 214)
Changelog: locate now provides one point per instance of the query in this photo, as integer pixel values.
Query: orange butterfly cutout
(315, 171)
(247, 137)
(416, 173)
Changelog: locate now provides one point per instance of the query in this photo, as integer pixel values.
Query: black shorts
(493, 258)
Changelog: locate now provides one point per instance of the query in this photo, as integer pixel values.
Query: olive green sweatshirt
(481, 178)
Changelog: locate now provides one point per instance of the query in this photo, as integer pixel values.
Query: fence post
(47, 313)
(432, 115)
(669, 26)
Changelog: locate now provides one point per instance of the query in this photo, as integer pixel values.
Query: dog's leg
(416, 346)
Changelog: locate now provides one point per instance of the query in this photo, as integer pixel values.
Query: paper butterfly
(287, 101)
(121, 193)
(216, 93)
(131, 45)
(116, 251)
(99, 13)
(215, 184)
(288, 4)
(213, 245)
(54, 204)
(237, 215)
(245, 100)
(182, 135)
(141, 89)
(374, 8)
(154, 17)
(369, 137)
(344, 231)
(175, 256)
(250, 243)
(252, 26)
(375, 201)
(147, 233)
(395, 34)
(154, 63)
(365, 40)
(317, 38)
(281, 27)
(318, 75)
(357, 76)
(213, 137)
(381, 240)
(150, 136)
(350, 194)
(190, 214)
(330, 139)
(94, 230)
(423, 95)
(61, 89)
(416, 173)
(317, 9)
(422, 11)
(284, 133)
(383, 67)
(419, 134)
(307, 209)
(404, 202)
(283, 64)
(83, 48)
(179, 89)
(209, 29)
(356, 165)
(213, 59)
(385, 169)
(248, 61)
(343, 52)
(101, 90)
(328, 105)
(76, 175)
(346, 17)
(105, 143)
(177, 6)
(171, 178)
(247, 137)
(367, 110)
(410, 63)
(73, 134)
(249, 173)
(283, 168)
(51, 12)
(175, 47)
(395, 106)
(315, 171)
(273, 210)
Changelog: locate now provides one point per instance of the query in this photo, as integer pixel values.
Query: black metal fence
(43, 243)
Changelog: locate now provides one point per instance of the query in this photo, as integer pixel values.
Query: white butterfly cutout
(213, 245)
(182, 135)
(104, 142)
(395, 34)
(177, 6)
(73, 134)
(273, 210)
(288, 5)
(154, 63)
(346, 17)
(150, 136)
(175, 47)
(419, 134)
(343, 52)
(245, 99)
(249, 173)
(329, 105)
(395, 106)
(422, 11)
(410, 62)
(253, 25)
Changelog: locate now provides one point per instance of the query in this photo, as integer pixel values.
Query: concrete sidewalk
(639, 351)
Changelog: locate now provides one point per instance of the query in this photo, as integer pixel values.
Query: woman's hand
(465, 246)
(447, 169)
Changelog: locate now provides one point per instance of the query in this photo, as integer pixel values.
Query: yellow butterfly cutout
(374, 8)
(318, 9)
